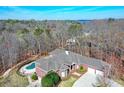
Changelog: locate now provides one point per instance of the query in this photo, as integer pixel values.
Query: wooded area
(101, 39)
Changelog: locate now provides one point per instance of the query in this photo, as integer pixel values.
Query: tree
(111, 19)
(51, 79)
(102, 82)
(34, 76)
(74, 29)
(38, 32)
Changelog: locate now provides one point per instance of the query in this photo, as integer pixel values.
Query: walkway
(35, 84)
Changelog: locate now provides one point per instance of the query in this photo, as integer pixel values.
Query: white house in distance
(63, 62)
(71, 41)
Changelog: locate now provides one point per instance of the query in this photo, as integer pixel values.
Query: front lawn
(14, 80)
(74, 76)
(69, 82)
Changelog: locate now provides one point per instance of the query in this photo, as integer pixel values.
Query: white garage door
(99, 72)
(91, 70)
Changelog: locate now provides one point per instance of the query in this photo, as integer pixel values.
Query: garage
(91, 70)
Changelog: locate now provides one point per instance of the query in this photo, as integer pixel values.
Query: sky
(61, 12)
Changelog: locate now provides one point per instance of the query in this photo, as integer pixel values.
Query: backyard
(14, 80)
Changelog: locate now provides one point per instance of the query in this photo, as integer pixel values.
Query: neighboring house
(63, 62)
(71, 41)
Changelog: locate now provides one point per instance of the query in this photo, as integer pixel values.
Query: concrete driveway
(89, 78)
(86, 80)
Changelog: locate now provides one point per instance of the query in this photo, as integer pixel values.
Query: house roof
(60, 57)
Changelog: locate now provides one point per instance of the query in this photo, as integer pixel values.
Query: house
(63, 62)
(71, 41)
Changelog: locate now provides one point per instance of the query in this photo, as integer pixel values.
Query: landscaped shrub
(34, 76)
(51, 79)
(55, 77)
(47, 82)
(81, 69)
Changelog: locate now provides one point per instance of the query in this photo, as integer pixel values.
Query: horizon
(61, 19)
(61, 12)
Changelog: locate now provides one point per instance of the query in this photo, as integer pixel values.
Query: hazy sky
(61, 12)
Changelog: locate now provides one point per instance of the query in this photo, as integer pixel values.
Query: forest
(101, 39)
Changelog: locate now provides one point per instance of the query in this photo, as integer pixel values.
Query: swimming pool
(30, 66)
(28, 69)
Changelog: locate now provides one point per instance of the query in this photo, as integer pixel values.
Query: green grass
(14, 80)
(68, 83)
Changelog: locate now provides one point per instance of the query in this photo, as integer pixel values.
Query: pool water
(30, 66)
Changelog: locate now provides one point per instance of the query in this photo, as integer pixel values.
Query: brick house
(63, 62)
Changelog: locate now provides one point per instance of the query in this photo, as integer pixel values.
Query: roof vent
(67, 52)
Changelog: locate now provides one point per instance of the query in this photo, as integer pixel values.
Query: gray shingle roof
(59, 57)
